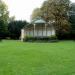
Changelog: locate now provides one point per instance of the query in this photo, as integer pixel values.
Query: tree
(15, 27)
(47, 15)
(36, 13)
(72, 20)
(57, 10)
(11, 19)
(2, 29)
(4, 16)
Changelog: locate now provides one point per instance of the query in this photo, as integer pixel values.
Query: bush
(32, 39)
(53, 37)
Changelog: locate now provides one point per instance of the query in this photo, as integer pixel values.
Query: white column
(51, 30)
(46, 29)
(22, 34)
(34, 30)
(42, 30)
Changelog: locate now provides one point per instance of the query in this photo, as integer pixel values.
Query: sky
(22, 9)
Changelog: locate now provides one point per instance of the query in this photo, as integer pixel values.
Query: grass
(18, 58)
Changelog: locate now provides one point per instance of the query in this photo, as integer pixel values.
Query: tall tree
(57, 10)
(4, 16)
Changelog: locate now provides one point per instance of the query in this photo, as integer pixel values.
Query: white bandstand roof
(39, 21)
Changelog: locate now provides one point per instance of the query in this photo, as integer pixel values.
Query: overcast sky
(22, 9)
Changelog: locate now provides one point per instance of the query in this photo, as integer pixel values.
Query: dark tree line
(13, 30)
(15, 27)
(72, 20)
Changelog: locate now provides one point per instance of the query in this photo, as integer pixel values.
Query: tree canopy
(4, 16)
(57, 10)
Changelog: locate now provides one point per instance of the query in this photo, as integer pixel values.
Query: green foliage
(4, 16)
(2, 29)
(15, 27)
(36, 13)
(11, 19)
(57, 10)
(72, 20)
(41, 39)
(53, 37)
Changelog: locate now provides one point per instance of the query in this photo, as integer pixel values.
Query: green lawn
(19, 58)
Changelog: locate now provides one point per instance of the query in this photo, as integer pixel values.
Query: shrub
(32, 39)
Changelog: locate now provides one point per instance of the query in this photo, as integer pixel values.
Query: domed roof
(39, 21)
